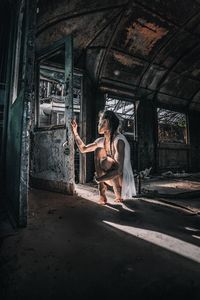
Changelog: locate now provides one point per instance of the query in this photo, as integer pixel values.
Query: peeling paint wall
(142, 36)
(173, 157)
(49, 164)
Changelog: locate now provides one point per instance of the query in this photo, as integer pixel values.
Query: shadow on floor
(75, 249)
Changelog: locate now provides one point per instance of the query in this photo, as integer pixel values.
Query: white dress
(128, 182)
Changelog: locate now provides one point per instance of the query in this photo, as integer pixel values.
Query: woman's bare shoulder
(99, 141)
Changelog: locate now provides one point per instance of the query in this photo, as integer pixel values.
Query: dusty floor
(173, 186)
(183, 191)
(73, 248)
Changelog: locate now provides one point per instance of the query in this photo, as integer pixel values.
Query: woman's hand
(96, 179)
(74, 126)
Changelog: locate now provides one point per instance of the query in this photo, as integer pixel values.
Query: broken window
(125, 111)
(51, 96)
(172, 126)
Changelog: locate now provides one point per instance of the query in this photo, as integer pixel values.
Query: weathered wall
(146, 134)
(49, 164)
(173, 157)
(194, 137)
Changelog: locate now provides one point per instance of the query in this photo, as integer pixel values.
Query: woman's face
(103, 126)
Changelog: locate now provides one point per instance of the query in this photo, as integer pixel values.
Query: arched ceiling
(144, 47)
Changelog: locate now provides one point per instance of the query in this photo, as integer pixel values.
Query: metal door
(52, 168)
(19, 96)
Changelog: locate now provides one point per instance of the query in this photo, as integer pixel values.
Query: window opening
(172, 126)
(125, 110)
(51, 96)
(51, 91)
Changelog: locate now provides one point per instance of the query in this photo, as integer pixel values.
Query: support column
(146, 132)
(194, 140)
(87, 127)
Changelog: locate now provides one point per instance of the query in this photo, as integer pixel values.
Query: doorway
(50, 167)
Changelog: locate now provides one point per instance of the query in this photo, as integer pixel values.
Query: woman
(112, 158)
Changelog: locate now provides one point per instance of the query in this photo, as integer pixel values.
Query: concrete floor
(182, 187)
(73, 248)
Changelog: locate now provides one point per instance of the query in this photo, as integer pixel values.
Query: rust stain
(126, 60)
(142, 36)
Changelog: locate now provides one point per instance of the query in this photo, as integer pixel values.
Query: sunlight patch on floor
(191, 229)
(92, 194)
(163, 240)
(196, 237)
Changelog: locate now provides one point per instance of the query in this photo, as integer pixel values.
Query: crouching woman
(111, 158)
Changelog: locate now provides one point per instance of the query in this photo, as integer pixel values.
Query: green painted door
(19, 96)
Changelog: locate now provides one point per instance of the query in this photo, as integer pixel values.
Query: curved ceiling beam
(192, 99)
(157, 65)
(164, 46)
(120, 83)
(162, 80)
(108, 45)
(146, 7)
(98, 34)
(71, 15)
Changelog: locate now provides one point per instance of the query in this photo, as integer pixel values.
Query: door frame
(18, 114)
(67, 43)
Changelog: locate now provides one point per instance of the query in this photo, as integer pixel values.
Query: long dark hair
(113, 123)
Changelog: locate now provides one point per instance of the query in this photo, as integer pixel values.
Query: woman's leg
(102, 165)
(117, 187)
(116, 182)
(99, 155)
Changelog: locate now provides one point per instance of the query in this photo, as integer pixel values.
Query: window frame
(126, 99)
(76, 72)
(184, 112)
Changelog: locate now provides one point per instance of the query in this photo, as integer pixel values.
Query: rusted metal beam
(154, 64)
(134, 87)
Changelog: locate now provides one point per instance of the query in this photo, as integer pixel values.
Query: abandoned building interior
(62, 60)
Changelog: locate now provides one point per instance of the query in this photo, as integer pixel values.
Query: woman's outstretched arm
(82, 147)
